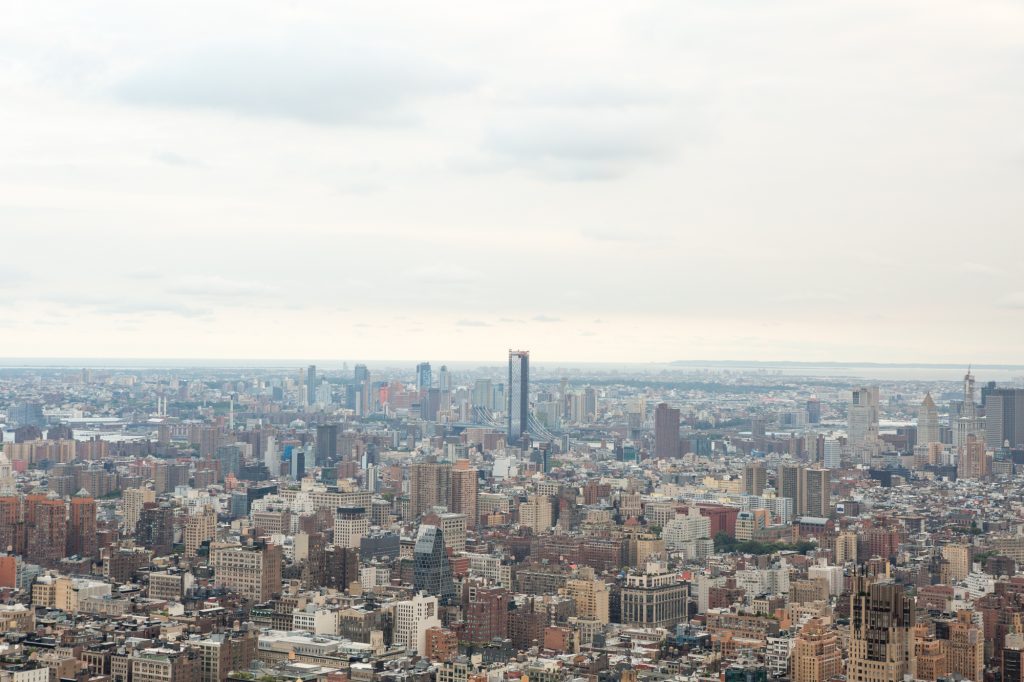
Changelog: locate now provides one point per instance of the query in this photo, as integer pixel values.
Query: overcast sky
(628, 181)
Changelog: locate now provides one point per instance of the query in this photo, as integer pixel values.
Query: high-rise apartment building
(787, 483)
(311, 386)
(928, 421)
(518, 395)
(754, 478)
(465, 491)
(666, 431)
(132, 501)
(815, 495)
(862, 429)
(881, 632)
(973, 461)
(82, 527)
(816, 655)
(155, 530)
(46, 525)
(11, 540)
(200, 527)
(430, 485)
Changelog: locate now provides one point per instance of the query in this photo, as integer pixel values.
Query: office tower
(813, 411)
(423, 377)
(132, 501)
(815, 493)
(653, 597)
(518, 395)
(82, 527)
(46, 523)
(967, 423)
(666, 431)
(816, 656)
(432, 572)
(200, 527)
(430, 485)
(351, 524)
(536, 514)
(253, 571)
(444, 379)
(360, 374)
(881, 632)
(927, 421)
(1004, 417)
(326, 444)
(754, 478)
(757, 427)
(311, 385)
(453, 529)
(413, 618)
(862, 430)
(788, 479)
(465, 491)
(156, 528)
(966, 647)
(298, 463)
(483, 394)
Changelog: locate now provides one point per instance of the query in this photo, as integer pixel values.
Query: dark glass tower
(423, 377)
(432, 573)
(518, 394)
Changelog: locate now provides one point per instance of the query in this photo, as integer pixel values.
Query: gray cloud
(216, 286)
(580, 147)
(313, 78)
(172, 159)
(472, 323)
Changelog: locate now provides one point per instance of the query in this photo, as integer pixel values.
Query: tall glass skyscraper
(432, 572)
(311, 385)
(518, 394)
(423, 378)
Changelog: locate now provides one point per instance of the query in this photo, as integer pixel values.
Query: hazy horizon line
(75, 361)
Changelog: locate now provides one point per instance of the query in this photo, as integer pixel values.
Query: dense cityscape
(427, 523)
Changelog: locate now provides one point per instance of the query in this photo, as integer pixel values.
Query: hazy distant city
(577, 341)
(421, 521)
